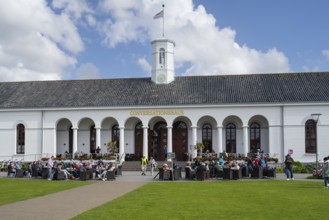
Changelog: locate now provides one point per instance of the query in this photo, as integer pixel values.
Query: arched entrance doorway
(158, 141)
(180, 140)
(138, 141)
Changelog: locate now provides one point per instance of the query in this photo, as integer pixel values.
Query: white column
(219, 139)
(55, 143)
(98, 137)
(145, 142)
(245, 140)
(194, 140)
(122, 141)
(169, 139)
(75, 140)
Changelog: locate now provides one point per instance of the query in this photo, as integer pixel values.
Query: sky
(89, 39)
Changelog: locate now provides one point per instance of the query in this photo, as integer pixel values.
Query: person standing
(289, 166)
(144, 163)
(153, 164)
(50, 165)
(325, 171)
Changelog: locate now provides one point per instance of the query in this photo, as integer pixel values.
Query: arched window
(207, 136)
(116, 134)
(92, 139)
(180, 140)
(230, 138)
(254, 137)
(310, 136)
(162, 56)
(20, 147)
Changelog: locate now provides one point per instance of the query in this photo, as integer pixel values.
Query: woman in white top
(153, 164)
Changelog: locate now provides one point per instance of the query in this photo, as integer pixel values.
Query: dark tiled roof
(191, 90)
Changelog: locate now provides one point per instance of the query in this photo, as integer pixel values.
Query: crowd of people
(70, 169)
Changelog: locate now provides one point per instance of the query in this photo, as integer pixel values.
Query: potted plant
(112, 147)
(199, 147)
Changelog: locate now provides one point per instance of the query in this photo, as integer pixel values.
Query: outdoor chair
(59, 176)
(19, 173)
(110, 175)
(164, 175)
(245, 171)
(178, 173)
(271, 172)
(35, 173)
(227, 174)
(257, 172)
(119, 171)
(190, 175)
(201, 174)
(219, 173)
(44, 173)
(84, 175)
(237, 174)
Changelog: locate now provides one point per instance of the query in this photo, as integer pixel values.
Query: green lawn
(272, 199)
(14, 190)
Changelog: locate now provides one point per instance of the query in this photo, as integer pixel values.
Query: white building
(164, 113)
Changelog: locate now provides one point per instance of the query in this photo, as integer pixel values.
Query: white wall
(51, 142)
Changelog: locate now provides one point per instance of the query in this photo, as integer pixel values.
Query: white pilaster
(194, 140)
(98, 137)
(145, 142)
(122, 141)
(169, 139)
(219, 139)
(245, 140)
(75, 140)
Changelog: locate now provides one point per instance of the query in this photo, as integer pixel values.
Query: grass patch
(218, 200)
(14, 190)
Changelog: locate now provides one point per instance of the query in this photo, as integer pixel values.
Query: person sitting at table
(165, 167)
(11, 170)
(218, 167)
(256, 162)
(235, 165)
(250, 165)
(108, 167)
(71, 168)
(221, 161)
(99, 169)
(60, 169)
(228, 164)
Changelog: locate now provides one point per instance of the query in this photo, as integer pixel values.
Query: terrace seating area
(228, 169)
(63, 170)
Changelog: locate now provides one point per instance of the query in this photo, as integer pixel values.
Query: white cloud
(142, 62)
(87, 71)
(325, 53)
(36, 43)
(199, 42)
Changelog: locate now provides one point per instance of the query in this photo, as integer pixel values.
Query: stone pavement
(69, 203)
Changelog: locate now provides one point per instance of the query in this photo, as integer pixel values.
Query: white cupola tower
(163, 69)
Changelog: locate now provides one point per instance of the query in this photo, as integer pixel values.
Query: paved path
(69, 203)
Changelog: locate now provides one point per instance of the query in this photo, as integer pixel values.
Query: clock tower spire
(163, 69)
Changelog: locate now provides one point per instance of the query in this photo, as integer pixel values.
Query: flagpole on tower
(161, 15)
(163, 20)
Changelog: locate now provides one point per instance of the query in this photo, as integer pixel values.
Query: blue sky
(67, 39)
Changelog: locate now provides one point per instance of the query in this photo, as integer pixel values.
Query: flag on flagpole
(158, 15)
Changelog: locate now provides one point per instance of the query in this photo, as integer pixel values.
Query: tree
(112, 147)
(199, 146)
